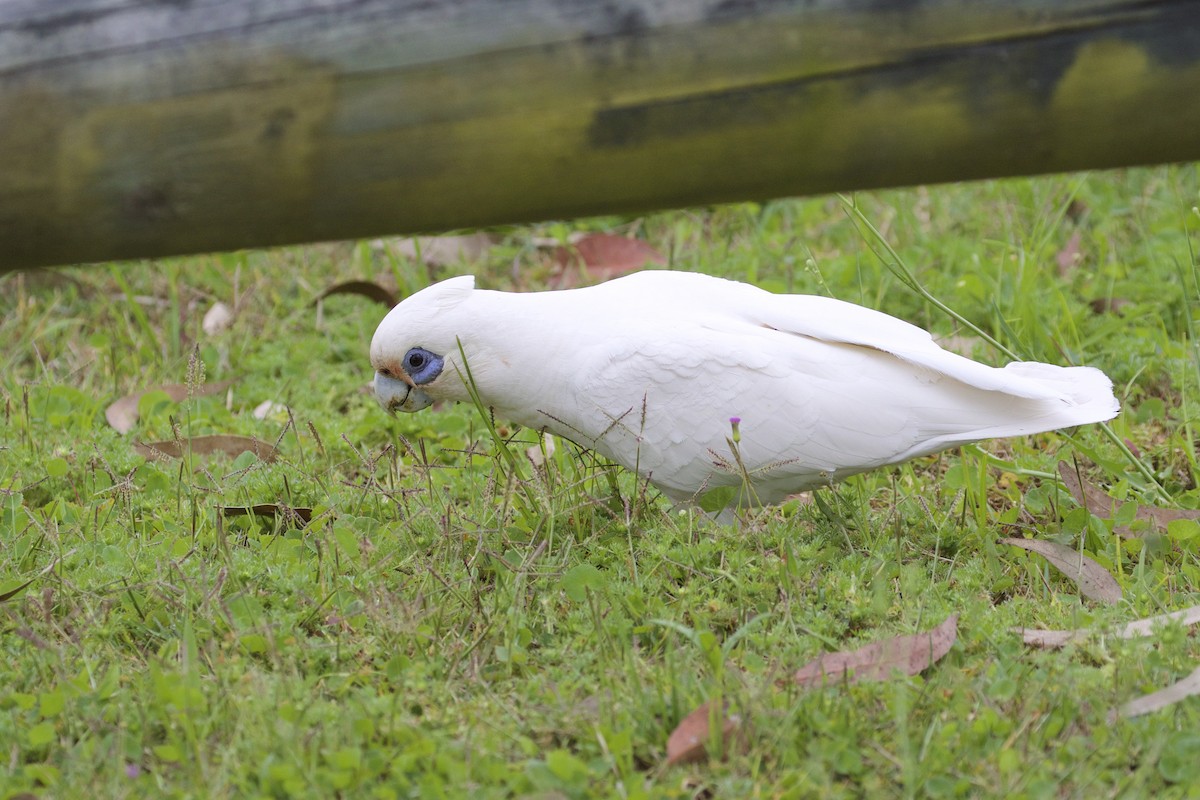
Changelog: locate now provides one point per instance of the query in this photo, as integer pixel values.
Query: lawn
(422, 612)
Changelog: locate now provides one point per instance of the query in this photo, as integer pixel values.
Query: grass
(455, 622)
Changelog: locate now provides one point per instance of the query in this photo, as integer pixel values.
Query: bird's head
(415, 350)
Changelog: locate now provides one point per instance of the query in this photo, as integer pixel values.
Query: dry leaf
(148, 301)
(1068, 258)
(16, 590)
(1102, 504)
(1077, 210)
(226, 444)
(268, 408)
(687, 742)
(290, 515)
(217, 319)
(601, 257)
(1161, 517)
(367, 289)
(1142, 627)
(1086, 493)
(540, 452)
(44, 279)
(1093, 580)
(1177, 691)
(553, 242)
(1109, 305)
(908, 655)
(1049, 639)
(440, 251)
(123, 413)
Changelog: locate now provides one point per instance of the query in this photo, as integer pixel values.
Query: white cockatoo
(655, 371)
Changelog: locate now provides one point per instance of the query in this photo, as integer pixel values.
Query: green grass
(456, 623)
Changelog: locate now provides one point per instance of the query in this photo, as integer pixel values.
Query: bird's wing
(823, 389)
(1057, 397)
(829, 320)
(836, 321)
(809, 410)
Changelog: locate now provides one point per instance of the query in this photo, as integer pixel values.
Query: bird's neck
(523, 353)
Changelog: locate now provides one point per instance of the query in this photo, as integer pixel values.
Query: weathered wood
(140, 128)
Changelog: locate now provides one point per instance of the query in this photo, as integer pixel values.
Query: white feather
(648, 370)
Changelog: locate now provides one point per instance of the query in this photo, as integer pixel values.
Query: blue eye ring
(422, 365)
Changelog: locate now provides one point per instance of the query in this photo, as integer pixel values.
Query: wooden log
(143, 128)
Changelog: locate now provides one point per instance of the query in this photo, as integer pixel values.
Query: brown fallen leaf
(1068, 258)
(1187, 687)
(16, 590)
(441, 251)
(1109, 305)
(45, 280)
(1162, 517)
(908, 655)
(291, 515)
(688, 741)
(1093, 580)
(1077, 210)
(225, 444)
(1086, 493)
(599, 257)
(1102, 504)
(1142, 627)
(123, 414)
(367, 289)
(1049, 639)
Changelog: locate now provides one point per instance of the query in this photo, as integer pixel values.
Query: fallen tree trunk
(142, 128)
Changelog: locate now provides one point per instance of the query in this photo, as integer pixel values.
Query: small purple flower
(734, 422)
(133, 770)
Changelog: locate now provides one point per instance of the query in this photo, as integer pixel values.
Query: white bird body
(649, 369)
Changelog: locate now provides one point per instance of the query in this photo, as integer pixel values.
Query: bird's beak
(397, 395)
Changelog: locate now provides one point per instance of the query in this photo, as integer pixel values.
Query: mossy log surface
(144, 128)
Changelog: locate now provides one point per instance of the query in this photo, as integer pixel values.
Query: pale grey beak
(396, 395)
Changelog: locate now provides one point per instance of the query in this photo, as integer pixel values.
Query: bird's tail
(1085, 393)
(1022, 398)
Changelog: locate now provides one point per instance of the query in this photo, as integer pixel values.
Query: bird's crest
(449, 293)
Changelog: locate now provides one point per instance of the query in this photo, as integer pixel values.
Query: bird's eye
(422, 366)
